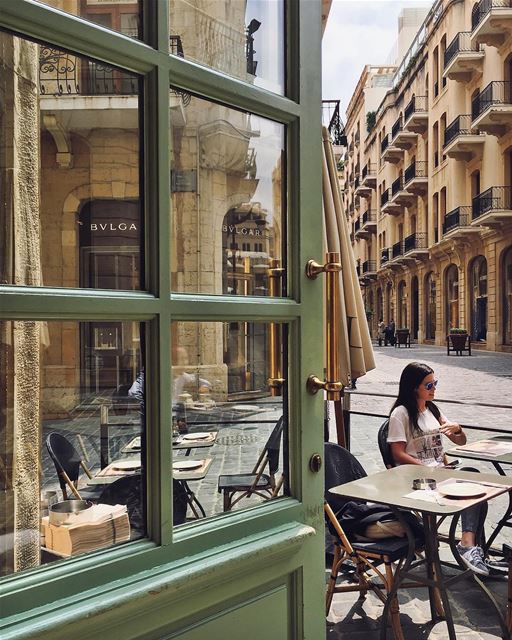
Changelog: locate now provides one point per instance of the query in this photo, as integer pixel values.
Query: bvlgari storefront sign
(113, 226)
(232, 229)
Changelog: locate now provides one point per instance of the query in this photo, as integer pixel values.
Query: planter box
(458, 342)
(403, 338)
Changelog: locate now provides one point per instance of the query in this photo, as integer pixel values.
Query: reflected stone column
(21, 265)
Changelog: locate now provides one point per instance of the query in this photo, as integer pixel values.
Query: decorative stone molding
(64, 156)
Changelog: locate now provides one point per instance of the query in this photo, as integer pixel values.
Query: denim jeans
(472, 518)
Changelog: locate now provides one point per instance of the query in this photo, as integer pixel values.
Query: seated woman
(415, 428)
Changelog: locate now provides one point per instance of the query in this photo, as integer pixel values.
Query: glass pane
(242, 38)
(229, 407)
(124, 16)
(228, 200)
(69, 409)
(70, 150)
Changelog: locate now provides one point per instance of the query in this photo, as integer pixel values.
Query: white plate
(461, 489)
(181, 465)
(196, 436)
(126, 465)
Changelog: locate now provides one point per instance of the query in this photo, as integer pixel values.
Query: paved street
(486, 378)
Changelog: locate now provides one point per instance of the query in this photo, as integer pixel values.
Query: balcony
(491, 109)
(491, 22)
(368, 270)
(416, 115)
(397, 252)
(416, 178)
(389, 151)
(462, 58)
(368, 223)
(457, 224)
(357, 227)
(492, 206)
(399, 195)
(369, 176)
(462, 141)
(415, 246)
(401, 138)
(384, 257)
(387, 206)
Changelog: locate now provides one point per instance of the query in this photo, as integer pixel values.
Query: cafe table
(185, 442)
(183, 471)
(393, 488)
(498, 451)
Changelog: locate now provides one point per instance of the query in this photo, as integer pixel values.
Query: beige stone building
(427, 179)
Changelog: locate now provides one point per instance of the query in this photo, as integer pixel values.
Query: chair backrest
(340, 467)
(273, 446)
(385, 449)
(65, 458)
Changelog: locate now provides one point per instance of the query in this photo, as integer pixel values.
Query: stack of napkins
(100, 526)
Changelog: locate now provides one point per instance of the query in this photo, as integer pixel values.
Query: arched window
(430, 307)
(389, 303)
(507, 296)
(452, 297)
(478, 301)
(402, 304)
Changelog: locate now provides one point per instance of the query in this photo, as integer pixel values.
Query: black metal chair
(128, 491)
(365, 557)
(68, 464)
(384, 448)
(257, 482)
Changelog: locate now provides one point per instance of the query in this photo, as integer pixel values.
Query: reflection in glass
(72, 211)
(72, 423)
(228, 420)
(243, 38)
(228, 204)
(124, 17)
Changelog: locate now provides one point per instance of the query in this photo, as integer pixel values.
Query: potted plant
(458, 336)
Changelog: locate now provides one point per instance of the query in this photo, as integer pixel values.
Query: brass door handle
(331, 268)
(276, 380)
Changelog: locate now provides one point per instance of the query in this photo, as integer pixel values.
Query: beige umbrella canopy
(355, 352)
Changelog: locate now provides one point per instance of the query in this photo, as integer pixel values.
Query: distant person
(416, 427)
(390, 333)
(381, 332)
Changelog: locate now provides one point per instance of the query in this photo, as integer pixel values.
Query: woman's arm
(399, 454)
(453, 431)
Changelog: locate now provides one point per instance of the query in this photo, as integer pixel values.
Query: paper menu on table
(488, 447)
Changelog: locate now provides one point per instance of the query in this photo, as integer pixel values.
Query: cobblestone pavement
(485, 377)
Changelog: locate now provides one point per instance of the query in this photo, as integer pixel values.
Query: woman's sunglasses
(431, 385)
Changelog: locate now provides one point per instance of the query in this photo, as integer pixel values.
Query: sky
(358, 32)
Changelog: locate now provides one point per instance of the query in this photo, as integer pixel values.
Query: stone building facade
(427, 180)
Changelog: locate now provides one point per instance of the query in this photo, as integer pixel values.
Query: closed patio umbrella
(355, 349)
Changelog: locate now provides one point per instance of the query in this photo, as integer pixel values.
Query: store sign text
(110, 226)
(243, 231)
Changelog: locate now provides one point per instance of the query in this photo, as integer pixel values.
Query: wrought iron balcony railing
(461, 42)
(384, 255)
(482, 8)
(418, 104)
(367, 170)
(396, 128)
(369, 266)
(459, 217)
(384, 144)
(397, 249)
(396, 186)
(497, 92)
(357, 225)
(331, 115)
(417, 169)
(368, 216)
(492, 199)
(461, 126)
(415, 241)
(384, 198)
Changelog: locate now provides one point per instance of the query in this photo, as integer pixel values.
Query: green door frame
(269, 549)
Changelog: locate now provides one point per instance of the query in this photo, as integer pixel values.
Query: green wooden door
(205, 119)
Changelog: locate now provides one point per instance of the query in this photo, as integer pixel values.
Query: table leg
(192, 500)
(103, 444)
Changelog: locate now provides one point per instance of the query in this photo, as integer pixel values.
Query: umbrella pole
(340, 426)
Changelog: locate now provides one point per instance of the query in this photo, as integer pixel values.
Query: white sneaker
(473, 558)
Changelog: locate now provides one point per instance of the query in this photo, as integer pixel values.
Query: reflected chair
(363, 558)
(68, 464)
(257, 482)
(384, 448)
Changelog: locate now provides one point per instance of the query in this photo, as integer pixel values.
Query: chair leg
(394, 609)
(227, 500)
(509, 596)
(332, 579)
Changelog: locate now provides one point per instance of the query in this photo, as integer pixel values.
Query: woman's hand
(453, 431)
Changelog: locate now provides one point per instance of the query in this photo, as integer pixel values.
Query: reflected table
(393, 488)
